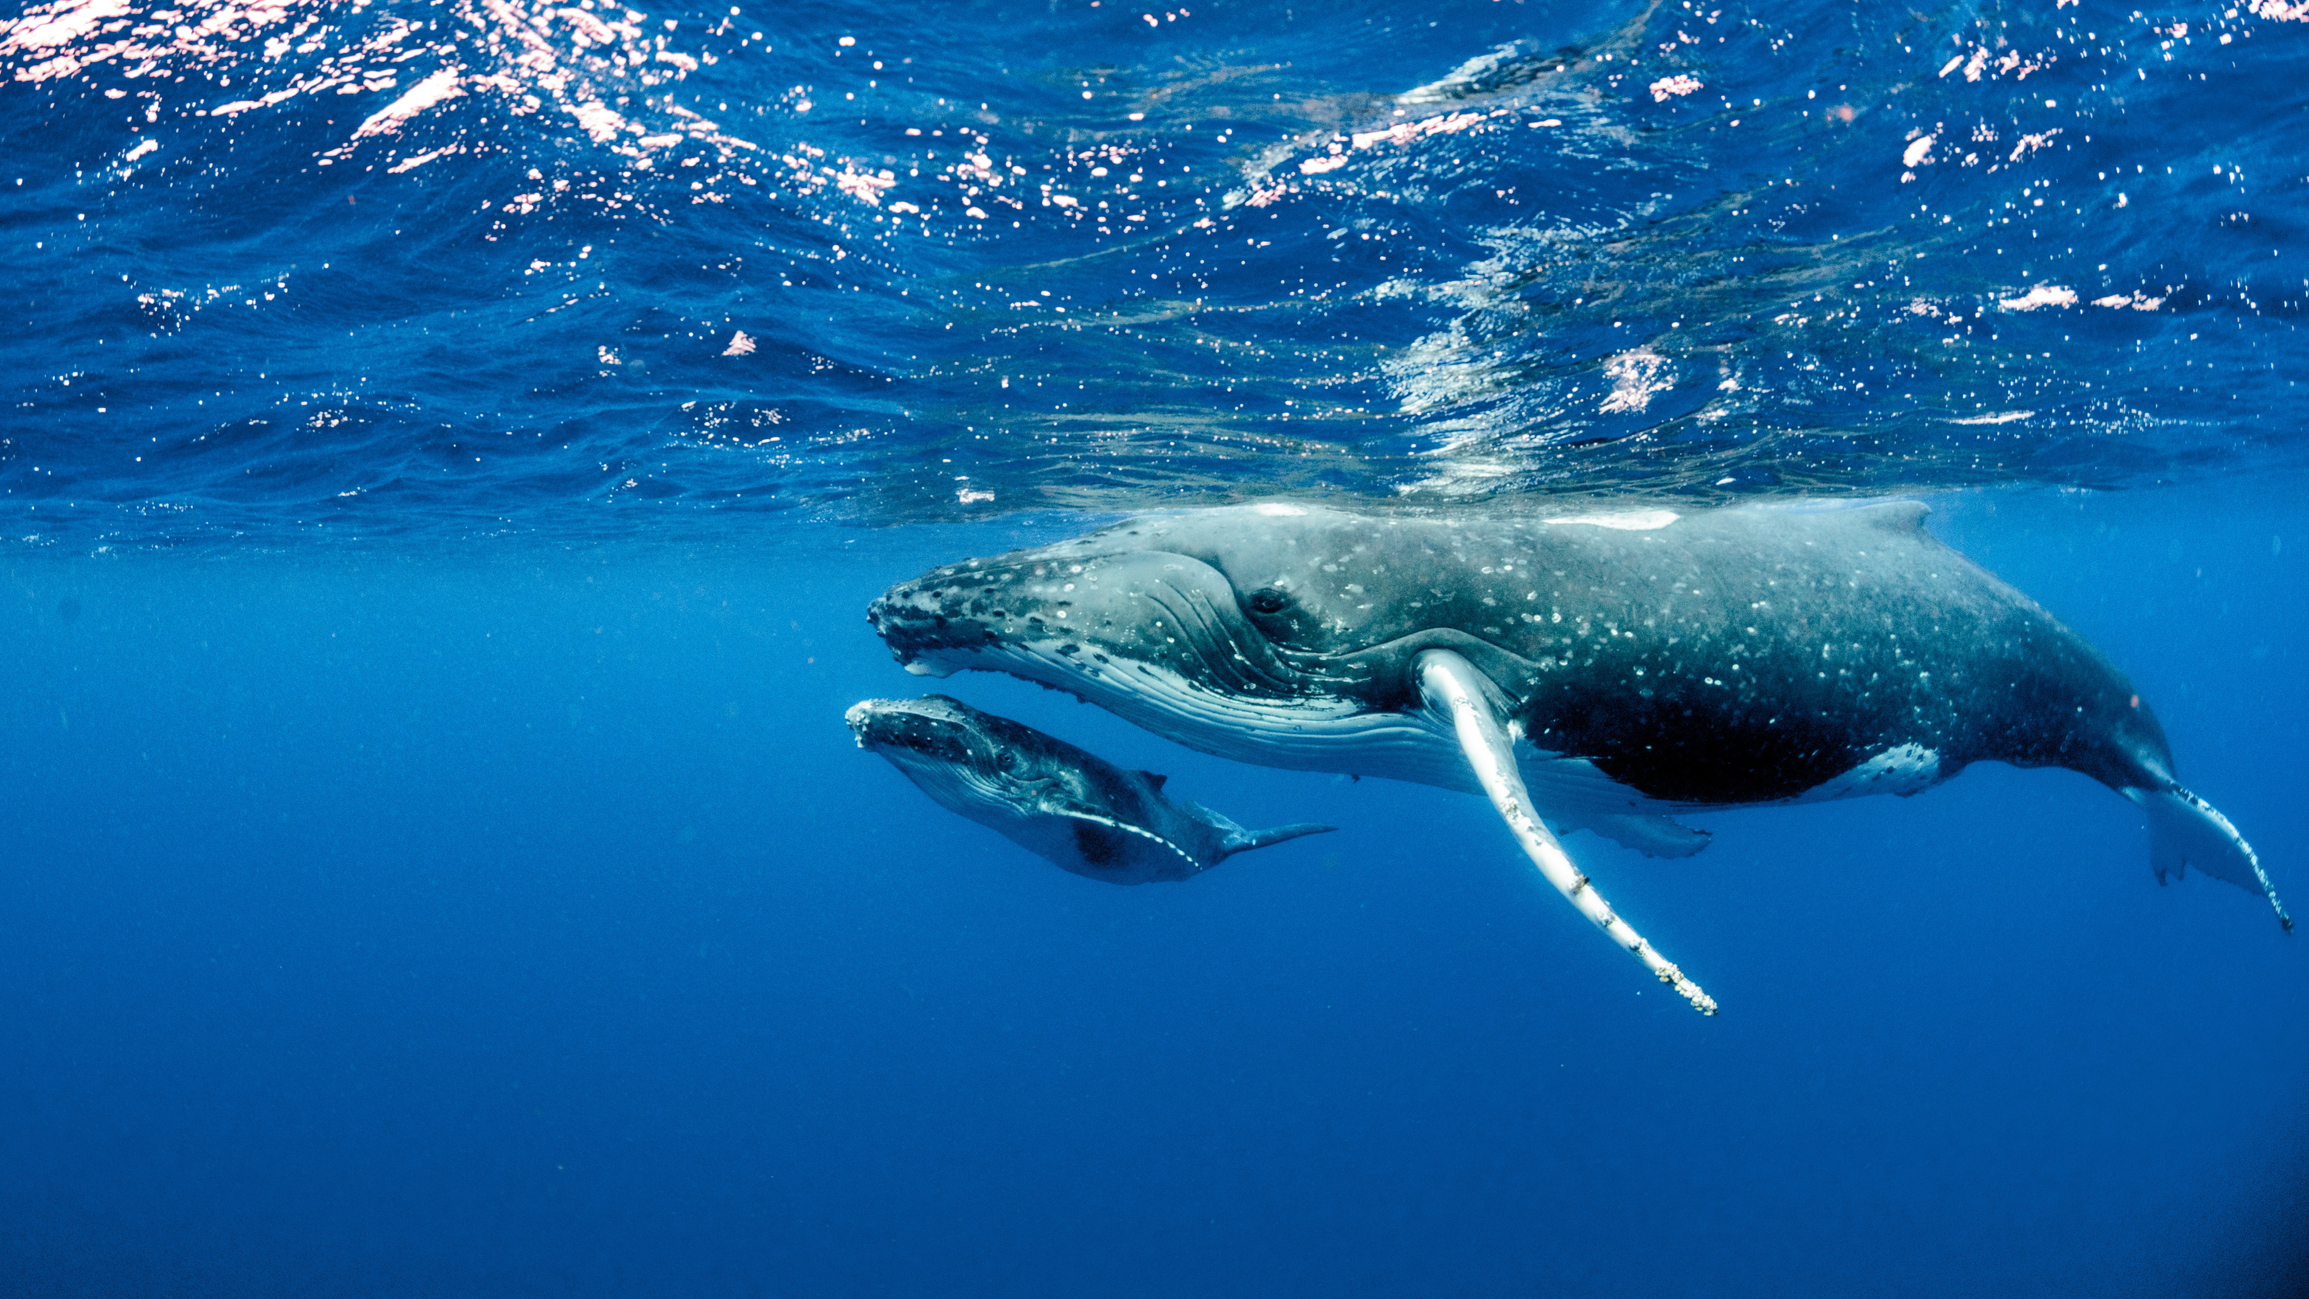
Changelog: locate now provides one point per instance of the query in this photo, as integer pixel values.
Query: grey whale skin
(1637, 664)
(1067, 804)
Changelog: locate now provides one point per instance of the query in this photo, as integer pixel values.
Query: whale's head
(1167, 595)
(970, 761)
(1250, 631)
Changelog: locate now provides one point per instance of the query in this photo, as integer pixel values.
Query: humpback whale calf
(1604, 671)
(1074, 807)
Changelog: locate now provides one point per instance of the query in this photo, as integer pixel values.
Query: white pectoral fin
(1453, 688)
(2185, 831)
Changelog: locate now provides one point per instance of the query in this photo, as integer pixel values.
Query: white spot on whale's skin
(1905, 769)
(1631, 521)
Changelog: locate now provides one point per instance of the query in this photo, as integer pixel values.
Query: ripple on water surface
(481, 266)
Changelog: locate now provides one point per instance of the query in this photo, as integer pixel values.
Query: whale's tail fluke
(2185, 831)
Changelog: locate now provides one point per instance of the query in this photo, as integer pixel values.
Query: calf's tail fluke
(1245, 841)
(1237, 839)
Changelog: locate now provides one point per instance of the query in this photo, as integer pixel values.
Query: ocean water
(449, 448)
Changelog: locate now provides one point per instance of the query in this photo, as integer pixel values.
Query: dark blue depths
(528, 924)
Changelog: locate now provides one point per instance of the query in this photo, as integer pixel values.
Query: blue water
(449, 448)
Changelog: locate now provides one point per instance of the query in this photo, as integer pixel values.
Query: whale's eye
(1269, 600)
(1006, 761)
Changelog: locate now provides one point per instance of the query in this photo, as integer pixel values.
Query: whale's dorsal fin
(1896, 516)
(1155, 779)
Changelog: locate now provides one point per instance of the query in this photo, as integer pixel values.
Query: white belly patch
(1904, 770)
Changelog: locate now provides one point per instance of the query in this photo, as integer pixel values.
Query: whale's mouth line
(952, 772)
(1330, 733)
(1224, 646)
(915, 736)
(1206, 634)
(1203, 674)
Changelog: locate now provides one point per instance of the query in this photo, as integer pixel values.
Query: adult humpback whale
(1603, 671)
(1077, 809)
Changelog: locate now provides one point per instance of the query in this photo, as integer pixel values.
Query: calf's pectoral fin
(2185, 831)
(1453, 688)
